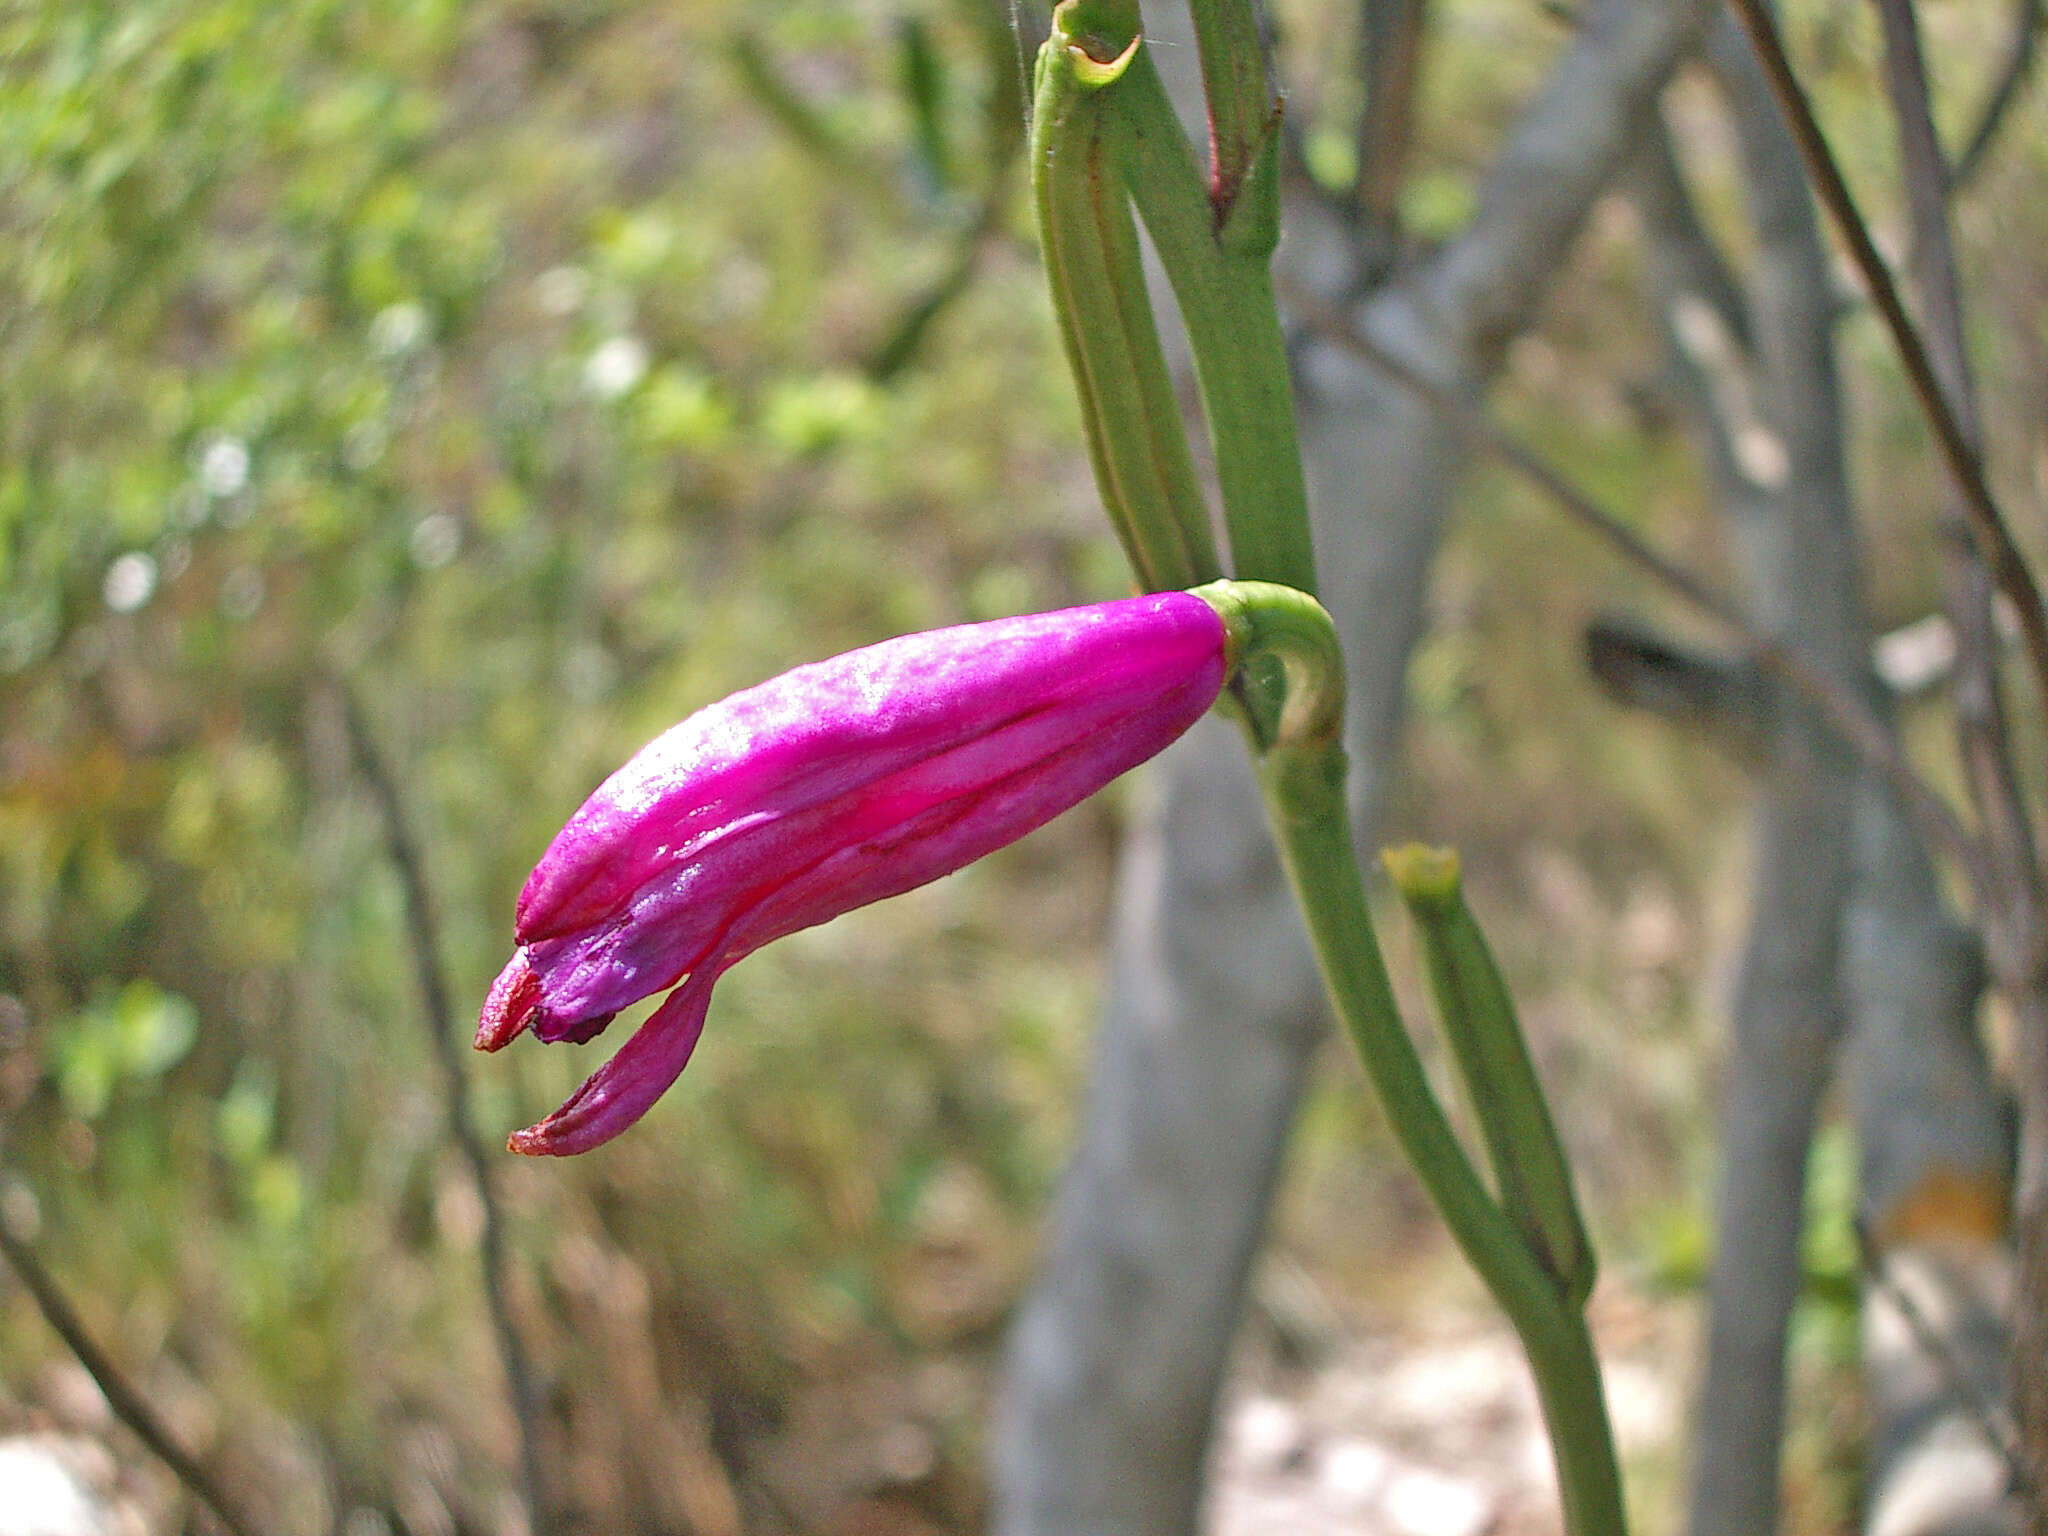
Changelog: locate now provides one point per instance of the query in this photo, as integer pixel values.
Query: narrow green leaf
(923, 78)
(1137, 441)
(1479, 1022)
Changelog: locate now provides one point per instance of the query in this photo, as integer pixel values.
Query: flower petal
(821, 790)
(625, 1088)
(816, 734)
(931, 816)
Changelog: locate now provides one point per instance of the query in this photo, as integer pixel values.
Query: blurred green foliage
(509, 362)
(134, 1035)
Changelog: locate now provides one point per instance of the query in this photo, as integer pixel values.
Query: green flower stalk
(1105, 138)
(1288, 675)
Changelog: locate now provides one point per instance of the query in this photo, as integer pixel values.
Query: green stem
(1221, 278)
(1286, 670)
(1234, 83)
(1304, 790)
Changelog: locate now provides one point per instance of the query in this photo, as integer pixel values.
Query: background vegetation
(533, 373)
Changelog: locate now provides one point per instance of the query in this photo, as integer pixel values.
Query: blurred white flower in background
(435, 540)
(615, 367)
(129, 583)
(224, 466)
(561, 290)
(398, 328)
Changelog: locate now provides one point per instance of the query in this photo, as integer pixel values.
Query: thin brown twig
(1987, 524)
(1984, 739)
(2014, 925)
(439, 1018)
(2028, 16)
(126, 1402)
(1850, 718)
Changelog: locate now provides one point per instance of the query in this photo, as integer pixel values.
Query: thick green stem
(1105, 136)
(1221, 278)
(1304, 791)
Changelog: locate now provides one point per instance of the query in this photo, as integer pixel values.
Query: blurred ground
(1427, 1427)
(1433, 1429)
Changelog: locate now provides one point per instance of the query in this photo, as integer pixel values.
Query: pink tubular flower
(816, 792)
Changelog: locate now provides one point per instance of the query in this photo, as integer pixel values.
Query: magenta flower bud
(817, 792)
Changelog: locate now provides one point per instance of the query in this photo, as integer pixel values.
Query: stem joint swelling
(1286, 670)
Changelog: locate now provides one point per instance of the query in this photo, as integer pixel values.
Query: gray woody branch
(1896, 962)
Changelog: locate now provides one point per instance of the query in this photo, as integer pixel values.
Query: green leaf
(85, 1073)
(243, 1121)
(155, 1029)
(924, 90)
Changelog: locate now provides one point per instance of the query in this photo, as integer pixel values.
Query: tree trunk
(1757, 355)
(1936, 1160)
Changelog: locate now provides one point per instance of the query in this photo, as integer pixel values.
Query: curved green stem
(1304, 791)
(1287, 669)
(1104, 137)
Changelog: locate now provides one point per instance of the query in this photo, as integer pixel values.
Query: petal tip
(510, 1005)
(533, 1142)
(622, 1090)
